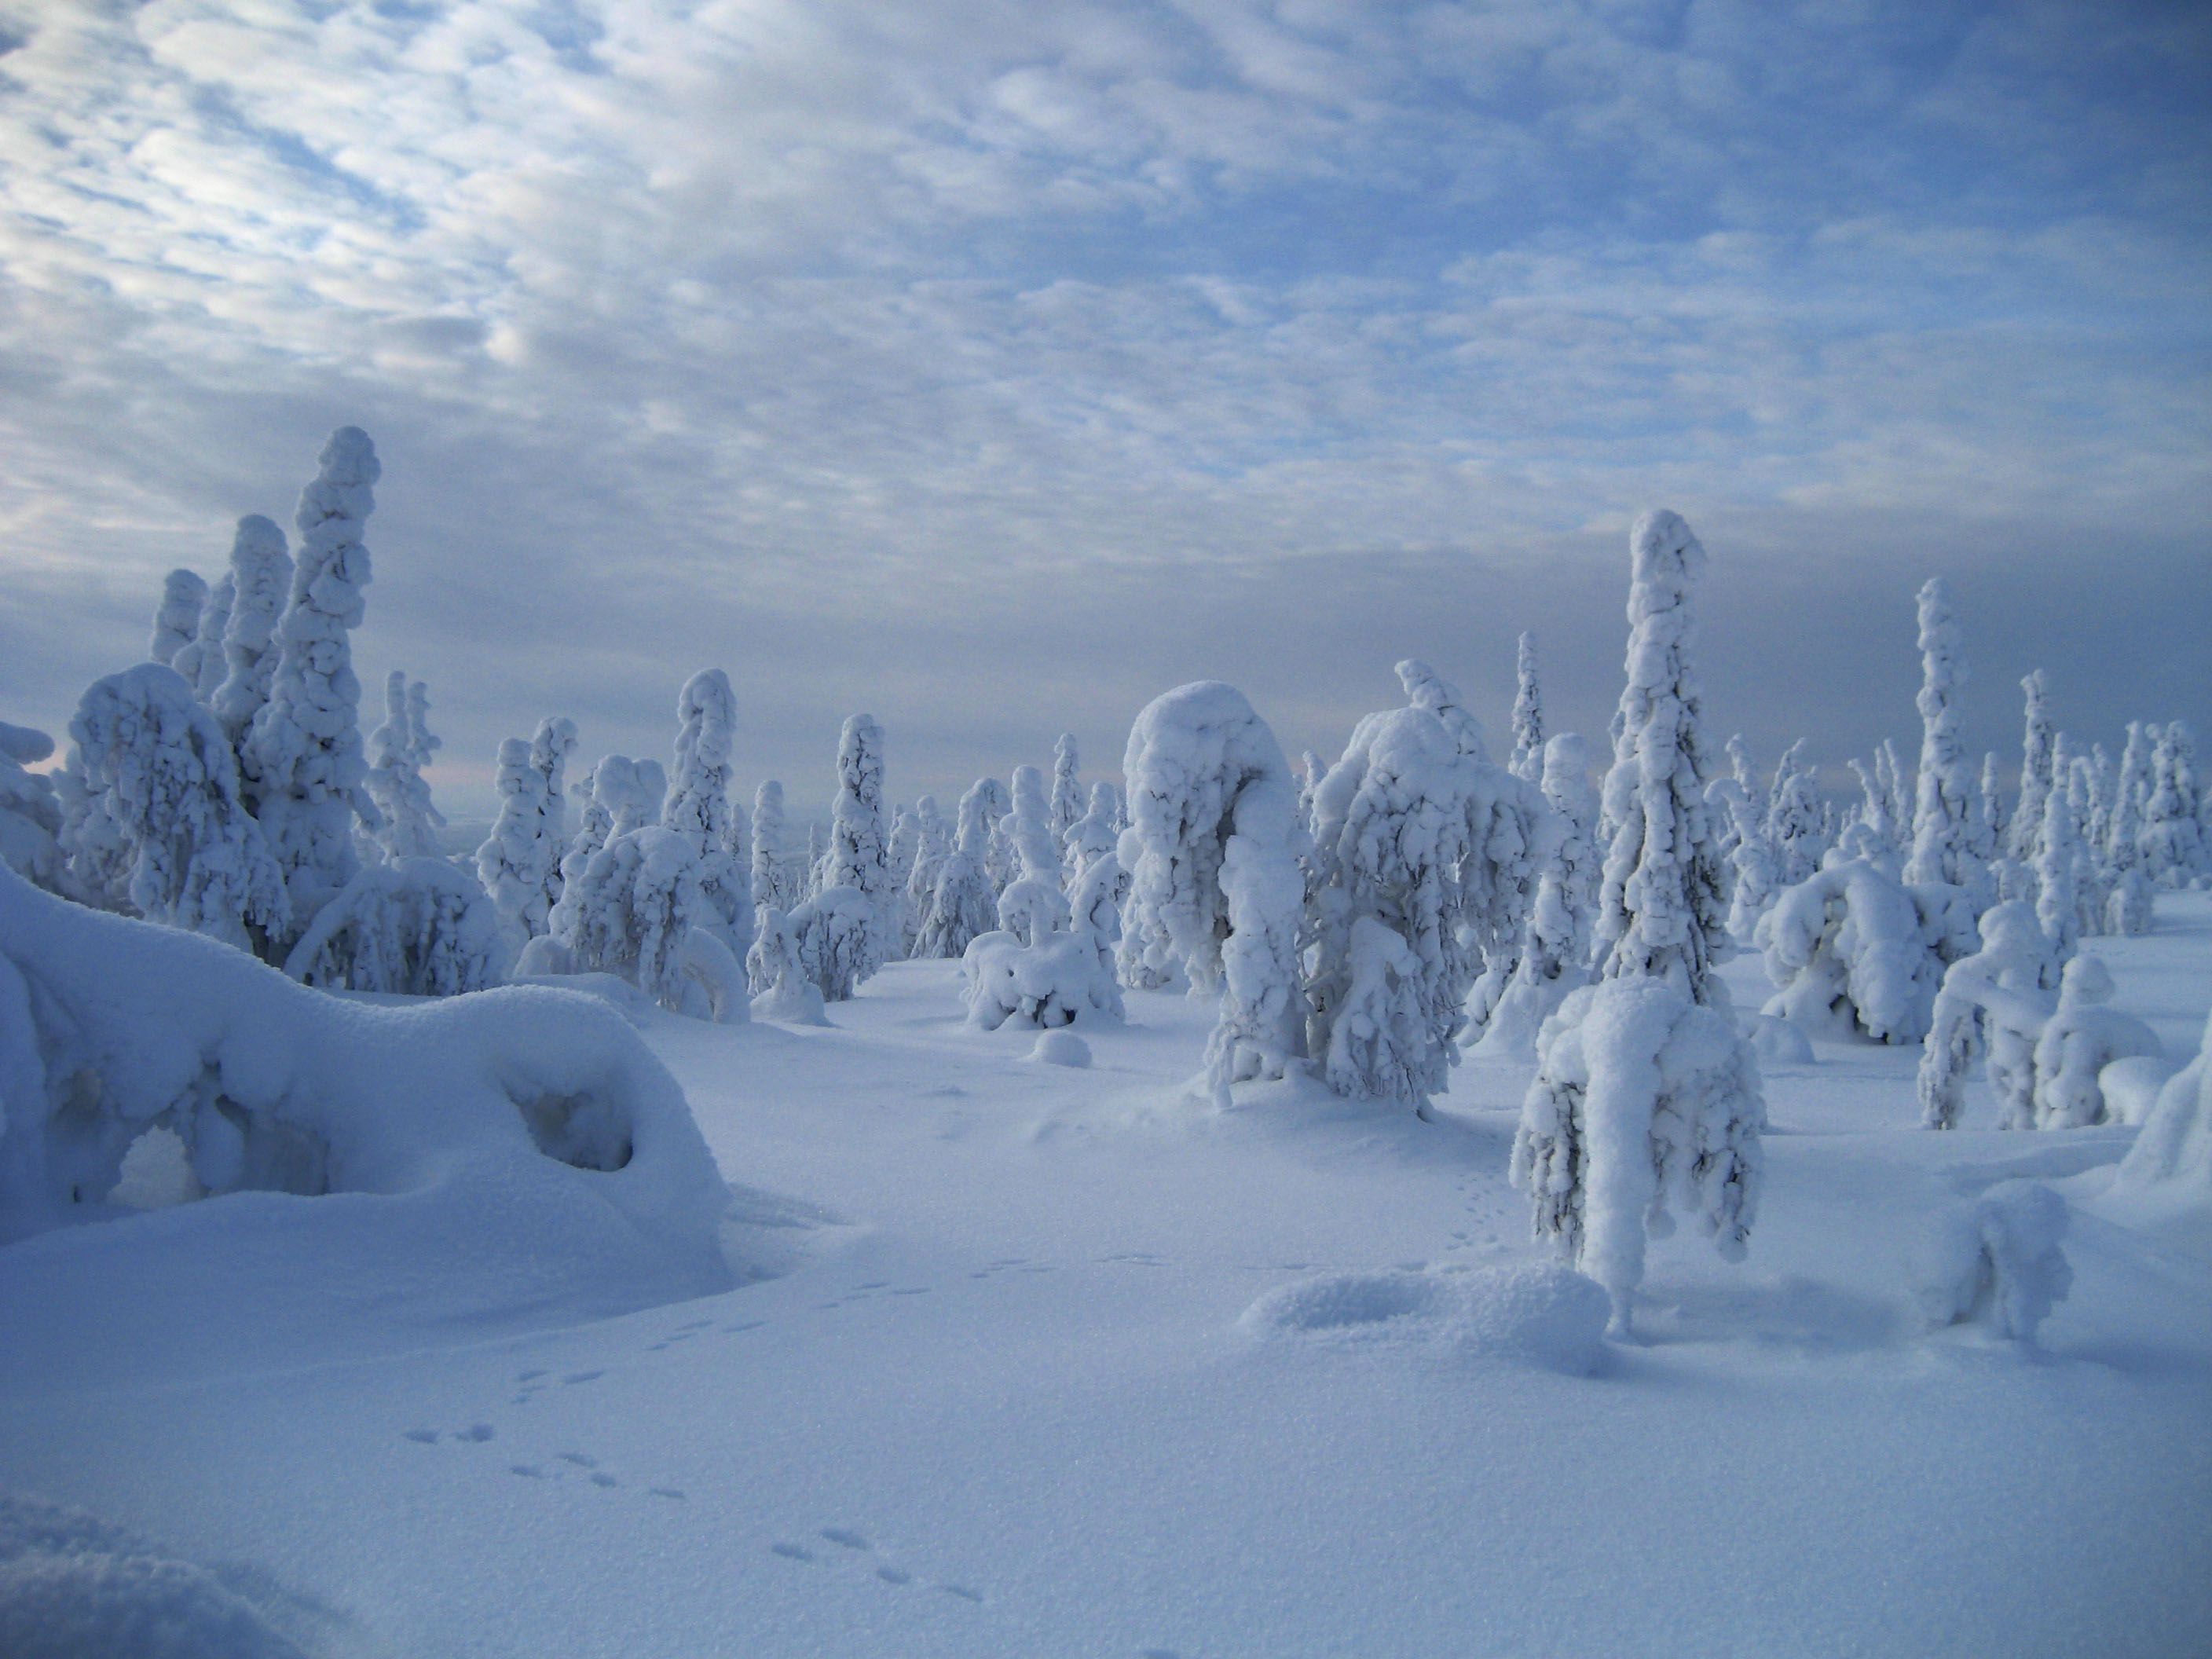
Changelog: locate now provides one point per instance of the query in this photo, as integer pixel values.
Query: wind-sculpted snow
(523, 1133)
(1540, 1315)
(2173, 1153)
(1998, 1261)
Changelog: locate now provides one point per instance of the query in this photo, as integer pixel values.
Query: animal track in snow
(846, 1537)
(574, 1377)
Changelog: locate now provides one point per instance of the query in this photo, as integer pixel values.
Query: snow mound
(1538, 1315)
(1777, 1042)
(1061, 1047)
(74, 1588)
(1997, 1262)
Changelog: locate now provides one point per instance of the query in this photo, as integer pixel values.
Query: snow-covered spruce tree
(1851, 950)
(2129, 905)
(698, 804)
(413, 927)
(1645, 1097)
(899, 854)
(964, 903)
(777, 978)
(859, 852)
(511, 862)
(1029, 830)
(1426, 689)
(302, 760)
(1066, 788)
(933, 845)
(30, 812)
(1992, 1002)
(1002, 860)
(641, 911)
(1216, 889)
(1092, 836)
(167, 779)
(1942, 815)
(1988, 837)
(199, 660)
(177, 618)
(2088, 865)
(2170, 840)
(261, 581)
(1793, 818)
(1755, 871)
(1528, 762)
(2037, 751)
(395, 780)
(1555, 944)
(2057, 857)
(2081, 1037)
(1421, 853)
(2103, 778)
(1048, 964)
(771, 854)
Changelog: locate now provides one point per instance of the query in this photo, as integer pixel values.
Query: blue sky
(995, 366)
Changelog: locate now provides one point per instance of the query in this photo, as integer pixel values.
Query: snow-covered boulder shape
(640, 901)
(1216, 888)
(30, 810)
(1048, 964)
(1536, 1314)
(2173, 1153)
(1997, 1262)
(1645, 1097)
(177, 618)
(1854, 952)
(1993, 1002)
(541, 1108)
(775, 976)
(2082, 1037)
(166, 781)
(1434, 848)
(415, 926)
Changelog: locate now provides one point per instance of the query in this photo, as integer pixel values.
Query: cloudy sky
(994, 367)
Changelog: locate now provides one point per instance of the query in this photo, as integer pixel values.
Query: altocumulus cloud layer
(995, 366)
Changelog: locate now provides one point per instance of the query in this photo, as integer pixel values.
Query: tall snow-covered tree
(396, 751)
(1029, 828)
(512, 860)
(933, 845)
(261, 580)
(1216, 888)
(1093, 836)
(698, 804)
(772, 882)
(620, 795)
(2130, 901)
(1066, 788)
(2039, 749)
(168, 782)
(2058, 864)
(640, 910)
(1988, 836)
(1645, 1097)
(177, 618)
(859, 854)
(302, 759)
(1942, 816)
(1528, 762)
(2172, 837)
(1794, 820)
(199, 660)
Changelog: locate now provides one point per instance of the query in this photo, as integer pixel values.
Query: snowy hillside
(1061, 1361)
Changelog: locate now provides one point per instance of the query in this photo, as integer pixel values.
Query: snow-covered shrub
(698, 805)
(2081, 1037)
(859, 854)
(415, 926)
(772, 875)
(166, 780)
(2037, 751)
(1528, 761)
(398, 752)
(2174, 1151)
(641, 898)
(2171, 838)
(199, 661)
(963, 903)
(261, 579)
(30, 812)
(1435, 847)
(1998, 1261)
(778, 980)
(542, 1109)
(177, 619)
(1039, 968)
(1216, 888)
(1066, 788)
(836, 933)
(1993, 1001)
(302, 760)
(1854, 951)
(1029, 830)
(1645, 1097)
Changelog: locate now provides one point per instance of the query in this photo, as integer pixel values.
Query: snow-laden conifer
(697, 807)
(772, 874)
(2039, 749)
(1992, 1002)
(261, 581)
(2083, 1036)
(177, 618)
(511, 861)
(1555, 944)
(1216, 888)
(413, 926)
(1092, 836)
(1528, 762)
(933, 845)
(1067, 798)
(165, 776)
(199, 661)
(1645, 1097)
(2130, 910)
(302, 759)
(397, 750)
(859, 851)
(2171, 836)
(1794, 820)
(964, 903)
(778, 979)
(1853, 951)
(30, 810)
(1029, 828)
(2057, 860)
(642, 910)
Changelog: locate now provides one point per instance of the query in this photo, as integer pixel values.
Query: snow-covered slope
(1067, 1362)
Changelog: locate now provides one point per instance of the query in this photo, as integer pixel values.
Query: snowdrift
(522, 1141)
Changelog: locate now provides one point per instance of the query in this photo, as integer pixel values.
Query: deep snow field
(999, 1385)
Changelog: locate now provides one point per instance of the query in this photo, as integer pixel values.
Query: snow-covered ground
(1002, 1387)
